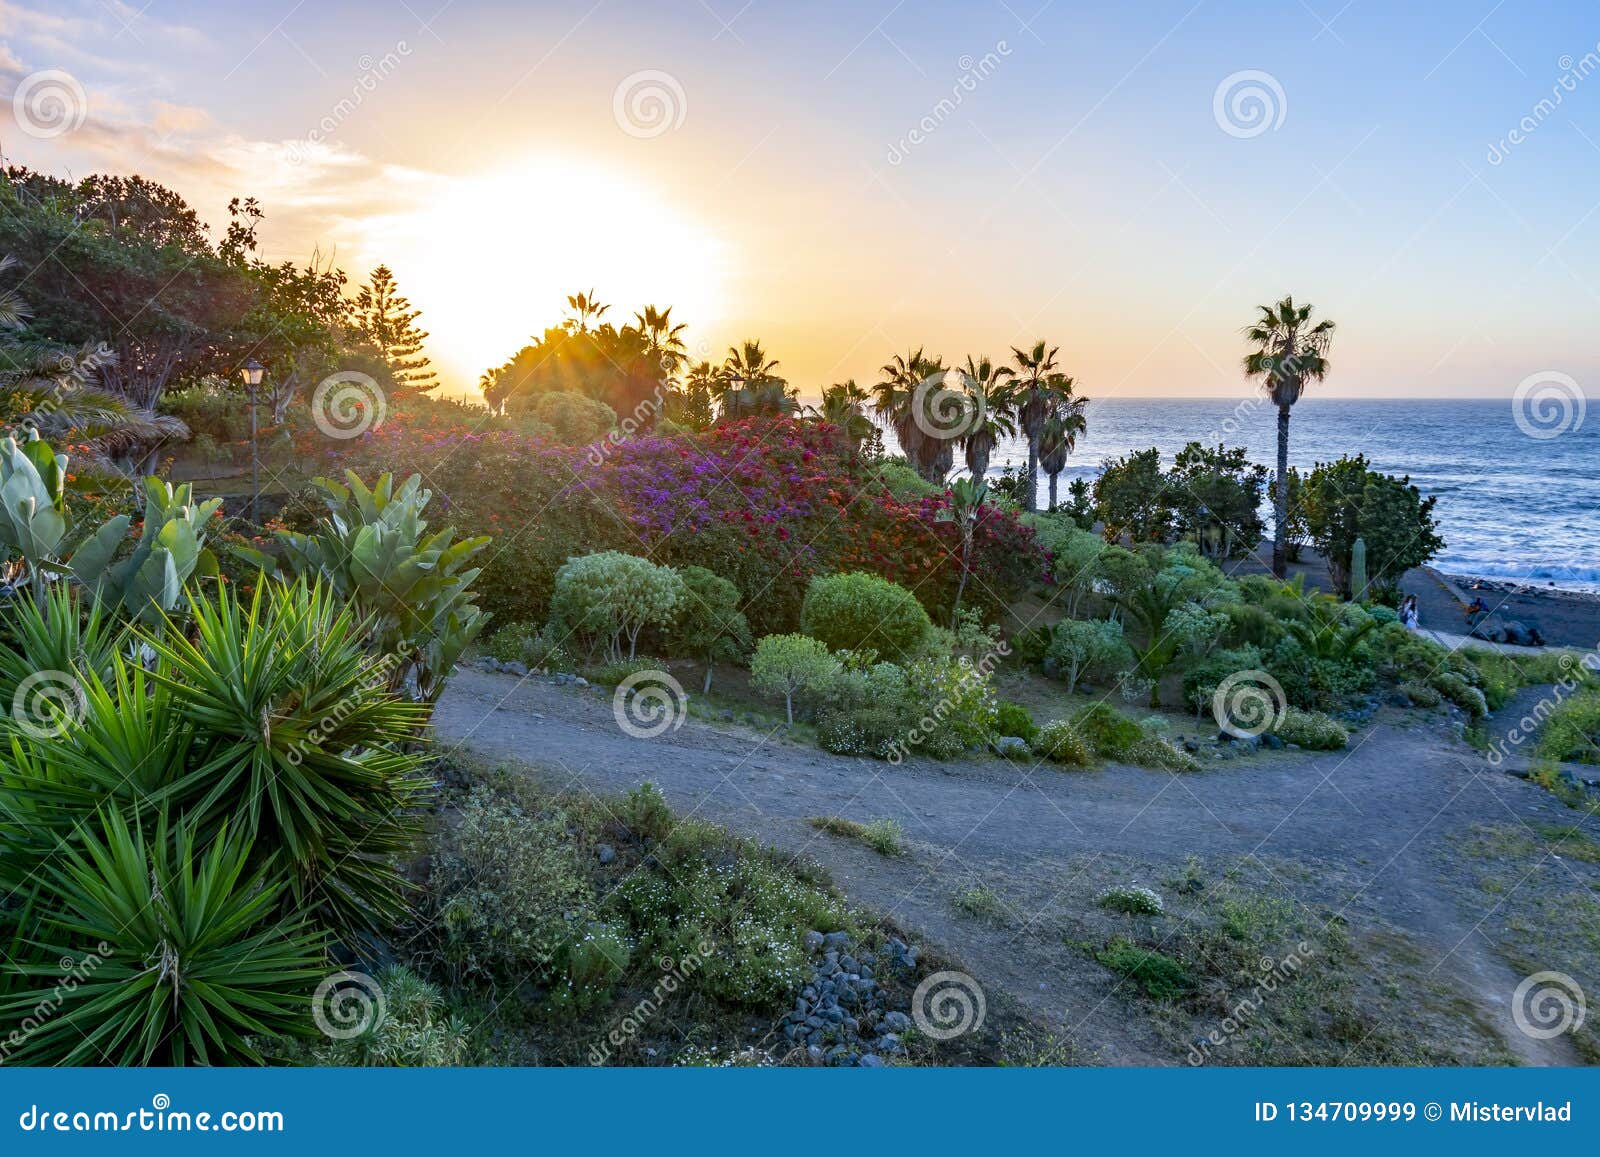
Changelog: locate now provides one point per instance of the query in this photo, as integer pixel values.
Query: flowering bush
(768, 505)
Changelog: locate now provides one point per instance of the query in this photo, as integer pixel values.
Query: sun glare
(491, 260)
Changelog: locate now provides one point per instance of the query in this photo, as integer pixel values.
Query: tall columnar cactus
(148, 583)
(1358, 570)
(33, 516)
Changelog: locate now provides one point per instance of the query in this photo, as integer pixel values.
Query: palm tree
(844, 406)
(750, 385)
(663, 341)
(1058, 438)
(1036, 399)
(1289, 353)
(990, 417)
(966, 509)
(587, 307)
(917, 407)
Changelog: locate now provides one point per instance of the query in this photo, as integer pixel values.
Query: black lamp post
(252, 372)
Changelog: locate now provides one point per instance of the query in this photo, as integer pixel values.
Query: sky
(845, 181)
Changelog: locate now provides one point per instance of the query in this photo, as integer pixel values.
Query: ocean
(1511, 505)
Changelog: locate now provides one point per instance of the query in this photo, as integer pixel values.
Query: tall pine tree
(387, 320)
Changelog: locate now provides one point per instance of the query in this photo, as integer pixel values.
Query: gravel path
(1387, 812)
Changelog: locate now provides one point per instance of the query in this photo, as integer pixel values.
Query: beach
(1564, 618)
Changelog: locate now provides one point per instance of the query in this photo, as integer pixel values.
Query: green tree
(1087, 648)
(710, 627)
(1289, 352)
(989, 417)
(911, 398)
(386, 319)
(1347, 500)
(1038, 389)
(1215, 495)
(1058, 437)
(788, 665)
(1131, 498)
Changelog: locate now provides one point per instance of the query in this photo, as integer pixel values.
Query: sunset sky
(754, 166)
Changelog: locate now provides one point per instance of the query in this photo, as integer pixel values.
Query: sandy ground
(1372, 834)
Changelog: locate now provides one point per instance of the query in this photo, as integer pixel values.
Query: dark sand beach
(1563, 618)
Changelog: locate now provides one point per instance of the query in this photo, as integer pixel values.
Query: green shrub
(177, 954)
(1062, 742)
(1420, 694)
(1133, 900)
(1456, 688)
(1108, 732)
(590, 966)
(1013, 719)
(608, 599)
(957, 701)
(1030, 644)
(1572, 732)
(852, 612)
(1088, 649)
(645, 813)
(1157, 975)
(416, 1031)
(790, 665)
(510, 890)
(710, 627)
(1311, 730)
(1154, 751)
(575, 419)
(904, 483)
(737, 908)
(868, 731)
(539, 647)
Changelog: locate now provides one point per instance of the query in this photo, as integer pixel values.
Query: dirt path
(1387, 813)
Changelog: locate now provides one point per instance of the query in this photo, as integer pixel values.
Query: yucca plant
(412, 588)
(298, 743)
(179, 954)
(53, 636)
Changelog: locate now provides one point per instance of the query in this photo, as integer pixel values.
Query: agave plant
(413, 588)
(178, 952)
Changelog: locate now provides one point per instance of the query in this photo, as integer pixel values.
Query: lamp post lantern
(252, 372)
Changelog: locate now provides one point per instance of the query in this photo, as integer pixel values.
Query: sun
(492, 258)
